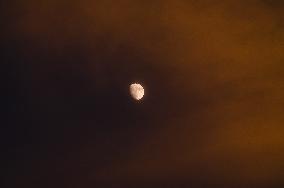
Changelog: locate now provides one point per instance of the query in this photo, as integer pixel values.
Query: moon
(136, 91)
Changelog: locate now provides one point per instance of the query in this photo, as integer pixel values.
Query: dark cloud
(213, 109)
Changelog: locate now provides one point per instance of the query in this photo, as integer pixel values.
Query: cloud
(213, 72)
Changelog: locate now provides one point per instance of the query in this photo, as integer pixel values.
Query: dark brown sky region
(212, 115)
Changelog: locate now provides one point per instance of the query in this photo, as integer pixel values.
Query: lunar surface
(136, 91)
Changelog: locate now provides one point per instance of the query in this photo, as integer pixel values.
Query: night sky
(212, 114)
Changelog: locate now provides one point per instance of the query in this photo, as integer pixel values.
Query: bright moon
(136, 91)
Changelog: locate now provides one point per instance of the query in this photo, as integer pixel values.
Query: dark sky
(212, 116)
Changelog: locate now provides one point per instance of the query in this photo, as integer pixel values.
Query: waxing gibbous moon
(136, 91)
